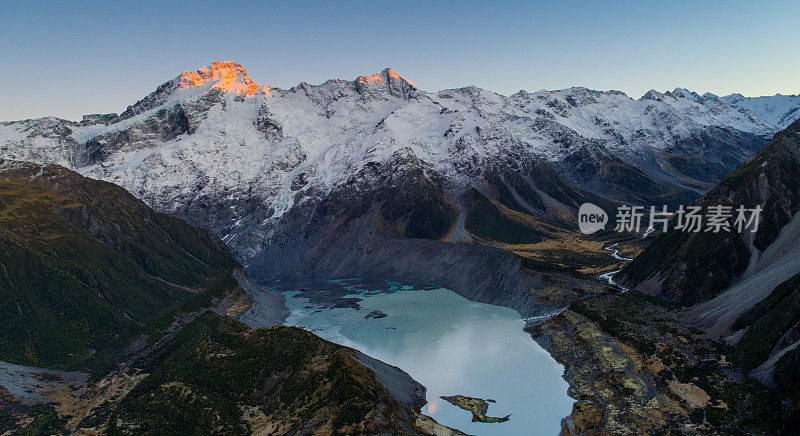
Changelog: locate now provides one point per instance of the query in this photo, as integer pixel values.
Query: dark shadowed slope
(693, 267)
(85, 267)
(220, 377)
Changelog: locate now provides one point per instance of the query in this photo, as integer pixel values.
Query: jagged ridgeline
(85, 268)
(253, 162)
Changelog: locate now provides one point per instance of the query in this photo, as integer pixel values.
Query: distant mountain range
(217, 149)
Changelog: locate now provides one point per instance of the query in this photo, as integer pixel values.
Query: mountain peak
(685, 93)
(395, 76)
(388, 75)
(226, 76)
(389, 80)
(653, 95)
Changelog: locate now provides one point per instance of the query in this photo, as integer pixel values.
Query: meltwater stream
(609, 276)
(451, 345)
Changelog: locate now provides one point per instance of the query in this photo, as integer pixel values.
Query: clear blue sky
(67, 59)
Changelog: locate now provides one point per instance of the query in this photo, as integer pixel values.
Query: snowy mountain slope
(214, 147)
(779, 110)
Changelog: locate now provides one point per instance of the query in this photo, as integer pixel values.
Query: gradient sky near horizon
(71, 58)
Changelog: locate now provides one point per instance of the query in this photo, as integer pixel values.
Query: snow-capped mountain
(779, 110)
(214, 147)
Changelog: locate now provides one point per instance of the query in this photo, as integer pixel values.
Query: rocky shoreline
(598, 371)
(480, 273)
(268, 308)
(634, 366)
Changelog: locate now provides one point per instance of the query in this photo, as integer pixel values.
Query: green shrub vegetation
(85, 268)
(204, 377)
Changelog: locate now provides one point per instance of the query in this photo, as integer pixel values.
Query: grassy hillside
(486, 220)
(85, 268)
(219, 377)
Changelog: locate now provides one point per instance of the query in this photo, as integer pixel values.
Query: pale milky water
(452, 346)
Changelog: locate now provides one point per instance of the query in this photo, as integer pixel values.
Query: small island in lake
(477, 406)
(375, 314)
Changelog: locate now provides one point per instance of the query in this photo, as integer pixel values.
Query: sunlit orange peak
(227, 76)
(387, 75)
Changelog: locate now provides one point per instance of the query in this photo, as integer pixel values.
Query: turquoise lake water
(452, 346)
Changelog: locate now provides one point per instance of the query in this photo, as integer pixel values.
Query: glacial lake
(451, 345)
